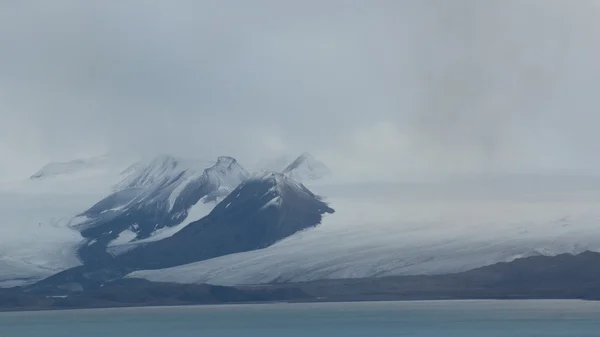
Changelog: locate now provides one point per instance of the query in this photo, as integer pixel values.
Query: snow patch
(196, 212)
(276, 201)
(124, 237)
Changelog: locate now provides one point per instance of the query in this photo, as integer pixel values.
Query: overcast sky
(378, 88)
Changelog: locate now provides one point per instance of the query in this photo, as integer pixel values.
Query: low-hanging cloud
(377, 88)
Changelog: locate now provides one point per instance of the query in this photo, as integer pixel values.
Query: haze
(375, 89)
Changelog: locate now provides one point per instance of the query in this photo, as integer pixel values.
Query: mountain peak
(276, 179)
(270, 176)
(270, 188)
(225, 161)
(306, 156)
(267, 189)
(306, 167)
(226, 172)
(155, 170)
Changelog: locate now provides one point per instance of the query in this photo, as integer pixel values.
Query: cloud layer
(377, 88)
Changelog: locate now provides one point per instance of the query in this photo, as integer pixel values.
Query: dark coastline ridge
(563, 276)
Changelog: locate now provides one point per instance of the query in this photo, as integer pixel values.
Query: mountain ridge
(262, 210)
(154, 195)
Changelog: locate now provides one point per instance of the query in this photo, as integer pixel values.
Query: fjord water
(381, 319)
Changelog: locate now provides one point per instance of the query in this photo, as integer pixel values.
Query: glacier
(36, 239)
(378, 229)
(384, 229)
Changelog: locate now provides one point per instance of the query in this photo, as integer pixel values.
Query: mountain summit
(306, 167)
(155, 171)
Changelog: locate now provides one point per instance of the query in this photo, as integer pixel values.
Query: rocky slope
(261, 211)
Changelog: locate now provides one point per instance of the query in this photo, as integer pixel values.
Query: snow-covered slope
(155, 199)
(35, 240)
(154, 171)
(399, 229)
(306, 168)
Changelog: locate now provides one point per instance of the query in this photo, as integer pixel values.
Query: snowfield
(429, 228)
(35, 239)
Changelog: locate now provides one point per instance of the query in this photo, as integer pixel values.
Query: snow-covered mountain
(430, 228)
(305, 168)
(92, 210)
(154, 196)
(78, 209)
(215, 222)
(263, 210)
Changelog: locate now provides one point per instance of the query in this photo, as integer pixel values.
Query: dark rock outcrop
(260, 212)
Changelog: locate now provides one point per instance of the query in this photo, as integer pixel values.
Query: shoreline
(294, 303)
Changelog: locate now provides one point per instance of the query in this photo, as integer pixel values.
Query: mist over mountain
(151, 200)
(446, 135)
(306, 167)
(432, 88)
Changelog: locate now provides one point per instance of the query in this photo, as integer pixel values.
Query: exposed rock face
(261, 211)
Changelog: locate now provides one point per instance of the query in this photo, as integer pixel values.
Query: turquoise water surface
(381, 319)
